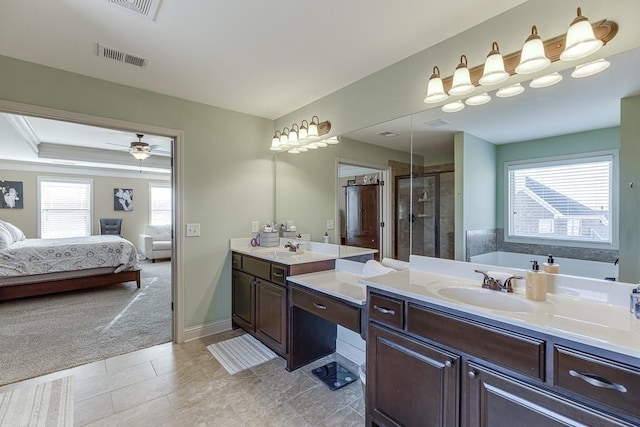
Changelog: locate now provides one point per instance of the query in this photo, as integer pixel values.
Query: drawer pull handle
(384, 310)
(447, 364)
(472, 374)
(598, 381)
(278, 274)
(320, 306)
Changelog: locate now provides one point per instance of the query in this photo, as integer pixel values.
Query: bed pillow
(6, 239)
(16, 234)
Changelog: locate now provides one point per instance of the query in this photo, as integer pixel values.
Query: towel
(374, 268)
(394, 263)
(500, 276)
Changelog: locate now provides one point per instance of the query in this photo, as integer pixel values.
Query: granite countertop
(600, 324)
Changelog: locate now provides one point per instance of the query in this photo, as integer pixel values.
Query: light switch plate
(331, 224)
(193, 230)
(255, 226)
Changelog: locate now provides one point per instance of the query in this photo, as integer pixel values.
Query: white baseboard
(356, 355)
(204, 330)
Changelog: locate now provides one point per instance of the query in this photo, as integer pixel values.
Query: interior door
(362, 215)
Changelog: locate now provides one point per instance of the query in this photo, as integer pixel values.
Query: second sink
(486, 298)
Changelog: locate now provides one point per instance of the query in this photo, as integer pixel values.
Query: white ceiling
(265, 58)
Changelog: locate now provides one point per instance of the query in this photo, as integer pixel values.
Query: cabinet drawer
(388, 311)
(256, 267)
(236, 261)
(599, 379)
(328, 308)
(508, 349)
(278, 274)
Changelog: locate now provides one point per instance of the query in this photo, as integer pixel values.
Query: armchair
(155, 242)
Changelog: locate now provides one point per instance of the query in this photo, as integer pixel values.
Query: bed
(30, 267)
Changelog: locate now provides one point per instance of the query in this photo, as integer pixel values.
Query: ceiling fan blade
(117, 145)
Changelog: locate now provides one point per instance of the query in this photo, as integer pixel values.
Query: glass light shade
(483, 98)
(284, 137)
(435, 88)
(294, 151)
(140, 155)
(545, 81)
(275, 145)
(303, 132)
(453, 107)
(313, 127)
(581, 41)
(332, 141)
(533, 57)
(321, 144)
(512, 90)
(293, 134)
(590, 68)
(461, 79)
(494, 71)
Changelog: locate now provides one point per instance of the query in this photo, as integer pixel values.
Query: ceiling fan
(142, 150)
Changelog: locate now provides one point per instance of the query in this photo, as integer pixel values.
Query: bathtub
(570, 266)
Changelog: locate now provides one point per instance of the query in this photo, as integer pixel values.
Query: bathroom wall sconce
(581, 40)
(300, 139)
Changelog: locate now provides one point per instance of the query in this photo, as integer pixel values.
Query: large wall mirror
(444, 190)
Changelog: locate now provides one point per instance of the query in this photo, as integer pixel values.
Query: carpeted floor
(45, 334)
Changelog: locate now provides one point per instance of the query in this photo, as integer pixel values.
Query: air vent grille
(146, 8)
(120, 56)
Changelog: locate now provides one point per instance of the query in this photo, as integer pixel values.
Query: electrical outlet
(331, 224)
(193, 230)
(255, 226)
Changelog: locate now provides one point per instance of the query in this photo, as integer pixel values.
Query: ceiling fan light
(461, 79)
(581, 41)
(533, 57)
(435, 88)
(453, 107)
(494, 71)
(483, 98)
(546, 80)
(140, 150)
(590, 68)
(140, 155)
(511, 90)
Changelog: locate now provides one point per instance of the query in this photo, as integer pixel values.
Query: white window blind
(569, 199)
(160, 204)
(65, 207)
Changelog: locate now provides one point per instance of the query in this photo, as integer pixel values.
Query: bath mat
(47, 404)
(334, 375)
(240, 353)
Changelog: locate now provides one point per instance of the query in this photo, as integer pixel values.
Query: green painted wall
(228, 169)
(630, 195)
(562, 145)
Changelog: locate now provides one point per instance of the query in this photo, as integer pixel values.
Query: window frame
(40, 179)
(162, 185)
(564, 160)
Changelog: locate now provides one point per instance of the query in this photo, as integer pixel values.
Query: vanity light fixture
(494, 72)
(284, 137)
(313, 128)
(533, 57)
(453, 107)
(300, 139)
(303, 133)
(546, 80)
(293, 135)
(511, 90)
(461, 79)
(581, 40)
(435, 88)
(275, 142)
(483, 98)
(590, 68)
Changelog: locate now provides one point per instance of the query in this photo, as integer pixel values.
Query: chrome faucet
(495, 285)
(293, 247)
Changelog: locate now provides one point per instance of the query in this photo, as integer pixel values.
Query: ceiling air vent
(146, 8)
(120, 56)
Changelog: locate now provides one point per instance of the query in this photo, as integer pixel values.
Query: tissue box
(270, 239)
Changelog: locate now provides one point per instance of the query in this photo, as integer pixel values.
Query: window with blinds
(65, 207)
(569, 199)
(159, 204)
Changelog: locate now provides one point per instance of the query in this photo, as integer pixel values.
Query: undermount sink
(277, 251)
(486, 298)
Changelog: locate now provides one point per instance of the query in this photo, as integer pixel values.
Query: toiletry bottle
(536, 283)
(550, 266)
(325, 238)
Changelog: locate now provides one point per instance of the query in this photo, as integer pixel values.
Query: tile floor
(184, 385)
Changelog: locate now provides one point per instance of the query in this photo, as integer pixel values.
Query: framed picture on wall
(11, 195)
(122, 199)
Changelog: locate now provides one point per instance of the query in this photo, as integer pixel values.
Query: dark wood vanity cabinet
(243, 299)
(428, 365)
(271, 315)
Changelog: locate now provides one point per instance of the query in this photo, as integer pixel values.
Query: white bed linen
(39, 256)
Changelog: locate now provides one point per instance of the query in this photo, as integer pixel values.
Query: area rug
(48, 404)
(240, 353)
(45, 334)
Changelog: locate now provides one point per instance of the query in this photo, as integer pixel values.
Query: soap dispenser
(550, 266)
(536, 283)
(325, 238)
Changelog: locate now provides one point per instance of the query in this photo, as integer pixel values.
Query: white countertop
(600, 324)
(340, 284)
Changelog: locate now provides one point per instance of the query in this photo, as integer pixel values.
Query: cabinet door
(497, 400)
(362, 217)
(271, 315)
(410, 383)
(243, 300)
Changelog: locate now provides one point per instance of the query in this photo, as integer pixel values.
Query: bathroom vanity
(441, 352)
